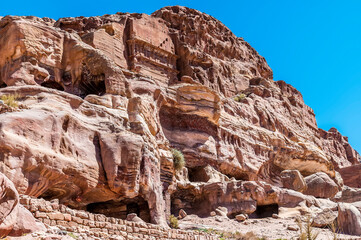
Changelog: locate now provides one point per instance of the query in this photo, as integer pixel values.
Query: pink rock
(15, 220)
(293, 179)
(321, 185)
(111, 95)
(9, 205)
(349, 219)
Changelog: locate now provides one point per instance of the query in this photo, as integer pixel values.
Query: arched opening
(120, 209)
(91, 87)
(53, 85)
(91, 84)
(190, 204)
(255, 81)
(198, 174)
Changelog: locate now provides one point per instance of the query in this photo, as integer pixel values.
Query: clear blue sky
(313, 45)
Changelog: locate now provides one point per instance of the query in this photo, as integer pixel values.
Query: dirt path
(266, 228)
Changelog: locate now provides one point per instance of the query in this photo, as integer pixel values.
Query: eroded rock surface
(351, 175)
(293, 179)
(320, 185)
(104, 99)
(15, 220)
(349, 219)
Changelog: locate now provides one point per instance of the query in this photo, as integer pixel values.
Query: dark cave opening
(90, 83)
(173, 119)
(3, 85)
(255, 81)
(190, 203)
(198, 174)
(53, 85)
(92, 87)
(265, 211)
(120, 209)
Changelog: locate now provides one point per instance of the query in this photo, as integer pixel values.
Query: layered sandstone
(104, 99)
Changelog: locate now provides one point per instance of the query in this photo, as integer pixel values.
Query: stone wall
(99, 226)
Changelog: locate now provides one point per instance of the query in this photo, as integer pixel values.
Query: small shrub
(333, 228)
(206, 230)
(173, 221)
(178, 159)
(306, 230)
(72, 235)
(239, 97)
(10, 100)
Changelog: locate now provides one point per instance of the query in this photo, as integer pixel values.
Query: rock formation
(349, 219)
(15, 220)
(320, 185)
(292, 179)
(351, 175)
(105, 99)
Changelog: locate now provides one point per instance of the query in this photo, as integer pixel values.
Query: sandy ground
(268, 228)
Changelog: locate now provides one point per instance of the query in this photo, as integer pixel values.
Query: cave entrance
(3, 85)
(265, 211)
(53, 85)
(198, 174)
(91, 84)
(121, 209)
(91, 87)
(190, 202)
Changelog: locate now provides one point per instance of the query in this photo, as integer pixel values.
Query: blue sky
(313, 45)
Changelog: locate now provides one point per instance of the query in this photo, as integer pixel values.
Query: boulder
(320, 185)
(357, 205)
(15, 220)
(221, 211)
(351, 175)
(26, 223)
(323, 203)
(241, 217)
(133, 217)
(338, 180)
(293, 179)
(293, 228)
(182, 214)
(349, 219)
(9, 205)
(348, 195)
(324, 218)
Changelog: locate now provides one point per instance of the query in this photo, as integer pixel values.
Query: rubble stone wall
(98, 225)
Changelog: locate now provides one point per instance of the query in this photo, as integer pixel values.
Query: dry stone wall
(99, 226)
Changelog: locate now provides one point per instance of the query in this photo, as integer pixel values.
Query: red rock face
(341, 152)
(210, 53)
(351, 175)
(110, 96)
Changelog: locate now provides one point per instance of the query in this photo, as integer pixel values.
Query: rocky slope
(103, 100)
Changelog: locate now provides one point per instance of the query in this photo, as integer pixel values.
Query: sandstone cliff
(102, 100)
